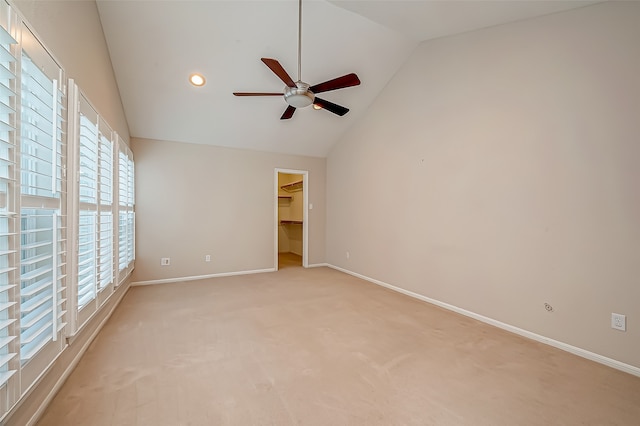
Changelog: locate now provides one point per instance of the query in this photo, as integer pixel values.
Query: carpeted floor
(319, 347)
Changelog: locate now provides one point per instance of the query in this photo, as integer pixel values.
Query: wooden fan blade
(288, 113)
(256, 94)
(279, 71)
(348, 80)
(331, 107)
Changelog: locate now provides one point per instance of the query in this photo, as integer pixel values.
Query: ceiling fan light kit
(298, 94)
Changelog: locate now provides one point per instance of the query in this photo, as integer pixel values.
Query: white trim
(317, 265)
(618, 365)
(200, 277)
(97, 310)
(305, 215)
(32, 387)
(72, 365)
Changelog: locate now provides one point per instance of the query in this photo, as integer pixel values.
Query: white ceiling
(155, 45)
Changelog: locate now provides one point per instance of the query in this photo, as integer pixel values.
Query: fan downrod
(298, 94)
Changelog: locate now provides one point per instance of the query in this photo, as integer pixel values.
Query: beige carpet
(318, 347)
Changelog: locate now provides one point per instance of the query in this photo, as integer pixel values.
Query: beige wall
(500, 170)
(193, 200)
(73, 33)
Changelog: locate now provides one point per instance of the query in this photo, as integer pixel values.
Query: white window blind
(92, 180)
(88, 195)
(8, 335)
(86, 258)
(122, 211)
(33, 246)
(106, 178)
(130, 210)
(35, 290)
(126, 214)
(42, 225)
(39, 304)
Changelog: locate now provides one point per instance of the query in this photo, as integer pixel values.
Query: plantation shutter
(92, 180)
(8, 275)
(126, 214)
(105, 237)
(42, 225)
(130, 211)
(34, 206)
(88, 184)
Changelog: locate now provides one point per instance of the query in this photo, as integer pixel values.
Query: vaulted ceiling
(155, 45)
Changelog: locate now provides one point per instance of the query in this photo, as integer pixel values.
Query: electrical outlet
(165, 261)
(207, 258)
(348, 255)
(619, 322)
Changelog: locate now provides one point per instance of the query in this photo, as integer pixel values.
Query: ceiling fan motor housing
(299, 96)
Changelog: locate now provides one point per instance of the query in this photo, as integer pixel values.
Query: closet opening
(291, 217)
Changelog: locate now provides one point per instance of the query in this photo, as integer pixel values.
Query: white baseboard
(200, 277)
(317, 265)
(618, 365)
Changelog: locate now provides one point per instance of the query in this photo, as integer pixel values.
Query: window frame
(18, 377)
(80, 106)
(28, 107)
(126, 206)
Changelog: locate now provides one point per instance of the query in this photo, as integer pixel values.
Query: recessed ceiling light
(197, 79)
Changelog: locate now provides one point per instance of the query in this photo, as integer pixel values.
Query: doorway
(291, 218)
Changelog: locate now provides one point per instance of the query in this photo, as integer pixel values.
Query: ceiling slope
(155, 45)
(426, 20)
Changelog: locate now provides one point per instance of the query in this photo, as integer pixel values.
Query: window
(94, 168)
(32, 209)
(8, 274)
(88, 185)
(105, 225)
(66, 224)
(126, 215)
(43, 244)
(33, 245)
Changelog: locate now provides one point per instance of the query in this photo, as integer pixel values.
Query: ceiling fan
(299, 94)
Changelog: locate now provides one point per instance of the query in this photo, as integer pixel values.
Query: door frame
(305, 214)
